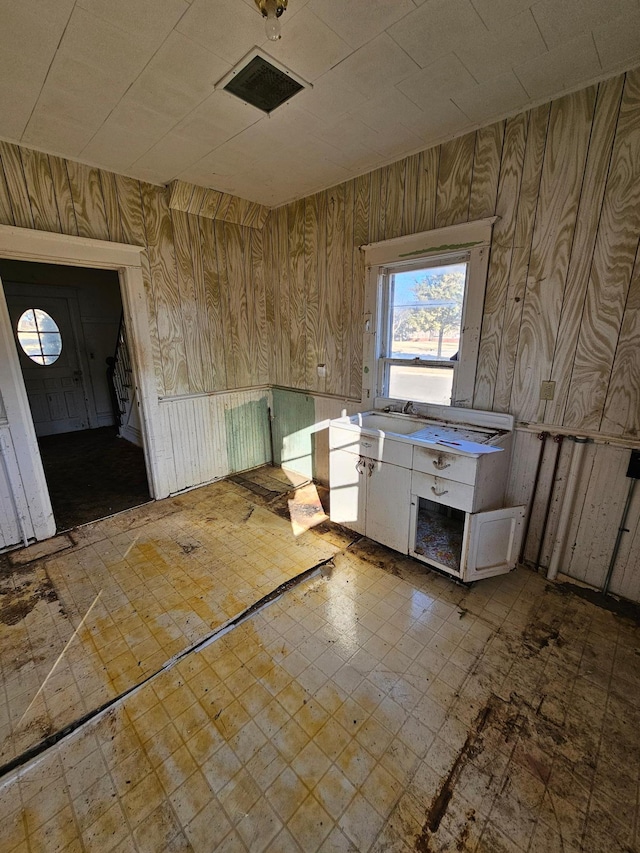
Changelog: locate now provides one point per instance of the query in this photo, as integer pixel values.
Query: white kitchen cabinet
(388, 504)
(418, 487)
(370, 496)
(348, 490)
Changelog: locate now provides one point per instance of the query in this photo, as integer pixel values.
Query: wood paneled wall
(204, 278)
(563, 293)
(205, 288)
(216, 205)
(562, 300)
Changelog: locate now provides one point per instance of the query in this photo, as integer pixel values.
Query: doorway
(67, 322)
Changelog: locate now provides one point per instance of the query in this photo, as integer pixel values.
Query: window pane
(39, 336)
(27, 322)
(421, 384)
(427, 312)
(45, 322)
(51, 343)
(30, 343)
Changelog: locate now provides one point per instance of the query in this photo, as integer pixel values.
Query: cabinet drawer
(439, 463)
(442, 491)
(383, 449)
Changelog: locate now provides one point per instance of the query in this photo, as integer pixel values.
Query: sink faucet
(407, 409)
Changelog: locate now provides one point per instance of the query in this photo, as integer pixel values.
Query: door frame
(29, 245)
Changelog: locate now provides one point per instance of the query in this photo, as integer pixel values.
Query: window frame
(469, 240)
(39, 359)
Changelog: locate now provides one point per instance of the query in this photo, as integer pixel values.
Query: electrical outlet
(547, 390)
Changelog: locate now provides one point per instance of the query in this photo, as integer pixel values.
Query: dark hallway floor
(92, 474)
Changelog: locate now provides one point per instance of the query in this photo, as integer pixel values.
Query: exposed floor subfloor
(374, 706)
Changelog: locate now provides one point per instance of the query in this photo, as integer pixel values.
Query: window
(421, 320)
(423, 315)
(39, 336)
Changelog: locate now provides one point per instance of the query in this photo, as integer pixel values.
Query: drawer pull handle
(439, 492)
(365, 443)
(440, 464)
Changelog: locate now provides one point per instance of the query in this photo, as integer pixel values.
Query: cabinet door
(347, 477)
(493, 542)
(388, 504)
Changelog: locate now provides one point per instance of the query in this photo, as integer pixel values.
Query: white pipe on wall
(567, 506)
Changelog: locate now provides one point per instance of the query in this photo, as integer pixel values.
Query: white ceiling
(128, 85)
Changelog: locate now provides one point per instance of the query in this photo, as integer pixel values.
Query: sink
(386, 422)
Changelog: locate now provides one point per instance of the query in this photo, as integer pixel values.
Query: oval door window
(39, 336)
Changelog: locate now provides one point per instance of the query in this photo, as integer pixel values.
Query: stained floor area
(373, 706)
(92, 474)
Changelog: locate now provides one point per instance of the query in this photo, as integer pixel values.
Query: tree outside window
(430, 310)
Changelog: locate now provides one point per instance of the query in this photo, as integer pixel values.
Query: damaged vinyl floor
(115, 600)
(373, 706)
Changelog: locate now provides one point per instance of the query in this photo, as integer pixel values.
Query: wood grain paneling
(350, 326)
(311, 276)
(41, 191)
(335, 326)
(6, 213)
(16, 185)
(111, 208)
(486, 171)
(394, 202)
(268, 236)
(64, 197)
(621, 411)
(520, 254)
(560, 187)
(236, 302)
(454, 180)
(48, 193)
(88, 201)
(182, 308)
(297, 294)
(411, 176)
(360, 237)
(164, 286)
(213, 303)
(282, 306)
(129, 201)
(378, 202)
(203, 330)
(613, 260)
(500, 261)
(202, 201)
(595, 177)
(427, 190)
(259, 305)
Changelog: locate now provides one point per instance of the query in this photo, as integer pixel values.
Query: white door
(55, 390)
(348, 489)
(388, 504)
(493, 542)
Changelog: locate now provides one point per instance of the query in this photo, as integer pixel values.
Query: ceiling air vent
(261, 82)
